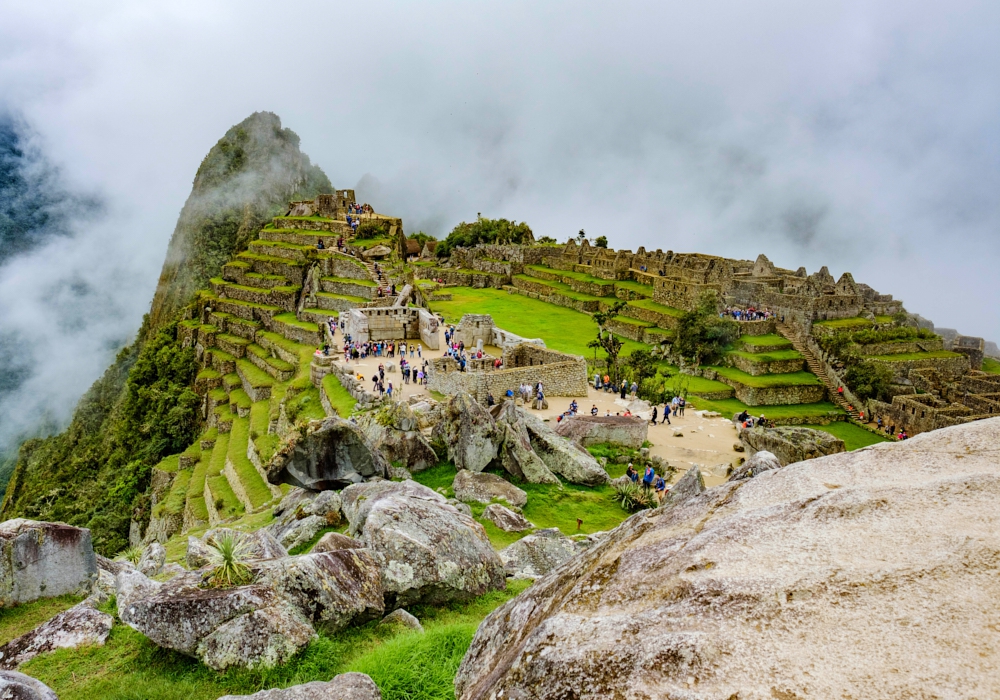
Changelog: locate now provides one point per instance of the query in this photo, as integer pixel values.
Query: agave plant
(634, 496)
(227, 552)
(132, 554)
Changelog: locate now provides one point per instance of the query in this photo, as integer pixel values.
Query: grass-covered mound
(854, 436)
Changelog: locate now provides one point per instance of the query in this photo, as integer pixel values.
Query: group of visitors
(749, 314)
(891, 430)
(413, 372)
(610, 386)
(534, 395)
(650, 480)
(748, 421)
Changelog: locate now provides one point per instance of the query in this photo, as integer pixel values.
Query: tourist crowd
(748, 314)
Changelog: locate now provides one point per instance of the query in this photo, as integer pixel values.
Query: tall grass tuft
(227, 552)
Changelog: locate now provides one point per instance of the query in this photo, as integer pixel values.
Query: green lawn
(291, 320)
(569, 274)
(854, 436)
(933, 354)
(729, 407)
(637, 287)
(563, 329)
(769, 380)
(695, 385)
(990, 365)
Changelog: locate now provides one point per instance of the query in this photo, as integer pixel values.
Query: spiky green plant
(227, 552)
(634, 496)
(131, 554)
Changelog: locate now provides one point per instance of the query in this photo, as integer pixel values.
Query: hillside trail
(818, 368)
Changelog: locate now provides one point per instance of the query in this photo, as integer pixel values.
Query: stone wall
(765, 327)
(950, 369)
(335, 264)
(595, 430)
(897, 348)
(342, 286)
(558, 379)
(587, 306)
(632, 331)
(920, 413)
(657, 318)
(391, 323)
(473, 329)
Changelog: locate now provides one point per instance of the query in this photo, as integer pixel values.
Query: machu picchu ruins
(333, 440)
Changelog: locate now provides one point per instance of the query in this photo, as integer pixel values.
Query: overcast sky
(858, 135)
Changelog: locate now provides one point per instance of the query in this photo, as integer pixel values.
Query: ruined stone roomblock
(392, 323)
(626, 431)
(790, 444)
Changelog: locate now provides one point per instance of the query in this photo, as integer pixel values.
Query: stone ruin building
(524, 362)
(392, 323)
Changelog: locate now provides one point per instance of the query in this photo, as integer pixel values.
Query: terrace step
(276, 367)
(256, 382)
(278, 249)
(302, 237)
(283, 297)
(244, 480)
(292, 270)
(817, 368)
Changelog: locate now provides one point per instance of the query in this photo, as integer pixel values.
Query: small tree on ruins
(702, 335)
(601, 241)
(607, 341)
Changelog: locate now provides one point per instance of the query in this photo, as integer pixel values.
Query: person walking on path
(654, 415)
(666, 413)
(683, 403)
(624, 388)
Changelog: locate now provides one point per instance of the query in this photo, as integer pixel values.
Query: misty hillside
(95, 473)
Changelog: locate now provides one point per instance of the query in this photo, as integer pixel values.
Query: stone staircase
(817, 367)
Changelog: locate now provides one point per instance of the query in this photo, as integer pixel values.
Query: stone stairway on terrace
(818, 368)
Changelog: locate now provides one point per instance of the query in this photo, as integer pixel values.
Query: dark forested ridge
(96, 473)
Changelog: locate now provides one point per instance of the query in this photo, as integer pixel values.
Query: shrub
(702, 335)
(869, 380)
(484, 231)
(132, 555)
(371, 229)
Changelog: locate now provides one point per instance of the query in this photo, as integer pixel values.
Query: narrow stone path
(818, 368)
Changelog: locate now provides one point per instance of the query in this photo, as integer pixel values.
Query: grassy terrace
(772, 339)
(169, 464)
(281, 244)
(769, 380)
(729, 407)
(990, 365)
(651, 305)
(349, 280)
(346, 297)
(260, 413)
(255, 375)
(290, 320)
(225, 500)
(560, 288)
(174, 500)
(339, 397)
(903, 356)
(196, 486)
(696, 385)
(854, 436)
(265, 355)
(253, 484)
(247, 255)
(856, 323)
(636, 287)
(563, 329)
(580, 276)
(366, 243)
(633, 322)
(773, 356)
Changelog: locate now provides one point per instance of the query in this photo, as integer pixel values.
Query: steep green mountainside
(249, 176)
(96, 473)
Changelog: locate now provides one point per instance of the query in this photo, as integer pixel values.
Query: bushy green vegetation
(839, 344)
(869, 380)
(906, 356)
(483, 230)
(854, 436)
(406, 665)
(371, 228)
(96, 473)
(702, 335)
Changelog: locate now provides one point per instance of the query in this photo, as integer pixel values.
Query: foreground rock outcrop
(835, 577)
(515, 453)
(44, 560)
(586, 430)
(472, 487)
(395, 431)
(302, 514)
(430, 551)
(17, 686)
(346, 686)
(328, 454)
(790, 443)
(563, 456)
(469, 432)
(81, 625)
(262, 624)
(537, 554)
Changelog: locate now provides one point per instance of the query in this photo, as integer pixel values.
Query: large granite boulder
(515, 453)
(394, 430)
(152, 560)
(537, 554)
(691, 484)
(44, 560)
(328, 454)
(78, 626)
(627, 431)
(469, 432)
(563, 456)
(301, 514)
(482, 487)
(333, 589)
(506, 519)
(262, 624)
(334, 542)
(17, 686)
(760, 462)
(790, 443)
(430, 551)
(834, 577)
(346, 686)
